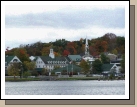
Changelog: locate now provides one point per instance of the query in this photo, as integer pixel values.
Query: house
(110, 68)
(114, 59)
(111, 56)
(75, 58)
(9, 60)
(117, 62)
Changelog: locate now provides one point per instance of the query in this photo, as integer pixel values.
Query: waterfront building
(9, 60)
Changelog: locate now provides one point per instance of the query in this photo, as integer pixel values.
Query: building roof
(107, 67)
(35, 58)
(47, 58)
(115, 61)
(68, 59)
(112, 56)
(8, 58)
(69, 68)
(76, 58)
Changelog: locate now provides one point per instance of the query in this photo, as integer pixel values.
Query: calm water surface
(65, 88)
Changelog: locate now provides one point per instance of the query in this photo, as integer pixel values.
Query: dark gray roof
(68, 59)
(76, 58)
(107, 67)
(115, 61)
(8, 59)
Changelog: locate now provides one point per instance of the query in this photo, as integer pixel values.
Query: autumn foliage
(109, 42)
(66, 53)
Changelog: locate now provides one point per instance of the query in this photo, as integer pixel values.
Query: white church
(87, 56)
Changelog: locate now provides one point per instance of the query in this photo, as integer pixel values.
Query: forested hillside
(107, 43)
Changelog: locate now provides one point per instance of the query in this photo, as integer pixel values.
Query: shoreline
(59, 79)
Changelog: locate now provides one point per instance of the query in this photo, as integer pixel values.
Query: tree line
(109, 42)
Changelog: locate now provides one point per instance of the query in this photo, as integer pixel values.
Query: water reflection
(65, 88)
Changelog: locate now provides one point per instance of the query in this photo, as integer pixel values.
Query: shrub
(26, 74)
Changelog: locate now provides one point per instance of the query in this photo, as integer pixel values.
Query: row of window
(38, 66)
(38, 62)
(57, 62)
(53, 62)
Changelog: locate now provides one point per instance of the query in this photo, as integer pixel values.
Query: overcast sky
(26, 24)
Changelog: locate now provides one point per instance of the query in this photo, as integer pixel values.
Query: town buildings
(68, 63)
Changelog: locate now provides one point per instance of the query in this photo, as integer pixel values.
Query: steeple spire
(86, 47)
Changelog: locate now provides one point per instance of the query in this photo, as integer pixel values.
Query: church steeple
(51, 54)
(86, 47)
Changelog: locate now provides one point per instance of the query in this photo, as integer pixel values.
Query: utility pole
(67, 69)
(72, 68)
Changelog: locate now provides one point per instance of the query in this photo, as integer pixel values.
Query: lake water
(65, 88)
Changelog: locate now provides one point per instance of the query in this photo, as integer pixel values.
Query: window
(15, 60)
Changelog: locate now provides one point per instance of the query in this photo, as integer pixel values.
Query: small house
(9, 60)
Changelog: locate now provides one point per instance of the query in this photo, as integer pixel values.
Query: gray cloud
(70, 19)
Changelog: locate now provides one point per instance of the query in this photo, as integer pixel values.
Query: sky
(27, 24)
